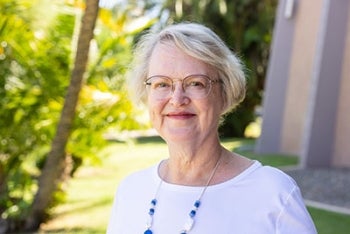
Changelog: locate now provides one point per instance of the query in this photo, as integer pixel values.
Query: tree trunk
(54, 165)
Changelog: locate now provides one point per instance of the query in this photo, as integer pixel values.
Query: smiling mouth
(180, 115)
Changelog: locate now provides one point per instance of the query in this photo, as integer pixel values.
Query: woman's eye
(161, 85)
(195, 84)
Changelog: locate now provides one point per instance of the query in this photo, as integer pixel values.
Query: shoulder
(271, 178)
(139, 179)
(275, 188)
(269, 172)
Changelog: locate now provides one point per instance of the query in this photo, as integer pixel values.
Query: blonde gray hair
(199, 42)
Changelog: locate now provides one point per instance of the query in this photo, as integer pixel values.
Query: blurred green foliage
(37, 45)
(34, 70)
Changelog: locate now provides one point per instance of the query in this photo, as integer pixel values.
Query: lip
(180, 115)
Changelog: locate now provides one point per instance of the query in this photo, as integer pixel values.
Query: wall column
(318, 142)
(276, 81)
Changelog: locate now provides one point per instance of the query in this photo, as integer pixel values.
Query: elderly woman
(189, 79)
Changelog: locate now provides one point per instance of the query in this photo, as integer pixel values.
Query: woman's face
(178, 117)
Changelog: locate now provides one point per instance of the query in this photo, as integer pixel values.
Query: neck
(192, 168)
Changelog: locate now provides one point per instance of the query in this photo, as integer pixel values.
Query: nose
(178, 96)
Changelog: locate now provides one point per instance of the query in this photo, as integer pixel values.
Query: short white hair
(197, 41)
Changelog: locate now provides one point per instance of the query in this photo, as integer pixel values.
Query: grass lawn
(90, 193)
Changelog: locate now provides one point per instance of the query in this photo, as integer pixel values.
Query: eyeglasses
(194, 86)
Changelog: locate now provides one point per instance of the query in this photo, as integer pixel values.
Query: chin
(178, 135)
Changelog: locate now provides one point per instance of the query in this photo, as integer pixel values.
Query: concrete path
(324, 188)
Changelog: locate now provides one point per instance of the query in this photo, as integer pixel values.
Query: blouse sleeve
(294, 217)
(112, 225)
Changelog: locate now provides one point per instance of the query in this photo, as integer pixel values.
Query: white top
(261, 199)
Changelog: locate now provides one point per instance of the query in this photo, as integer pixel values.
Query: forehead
(168, 60)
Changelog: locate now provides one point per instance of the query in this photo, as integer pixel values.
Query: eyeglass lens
(195, 86)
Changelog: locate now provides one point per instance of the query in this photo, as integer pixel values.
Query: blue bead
(154, 202)
(151, 211)
(197, 203)
(148, 231)
(192, 213)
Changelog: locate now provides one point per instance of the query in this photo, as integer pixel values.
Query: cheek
(212, 114)
(218, 99)
(155, 108)
(214, 107)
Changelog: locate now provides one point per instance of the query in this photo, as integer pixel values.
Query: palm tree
(54, 165)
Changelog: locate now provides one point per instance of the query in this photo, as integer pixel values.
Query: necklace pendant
(148, 231)
(188, 225)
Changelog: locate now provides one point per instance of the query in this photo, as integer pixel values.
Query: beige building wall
(342, 134)
(307, 21)
(306, 106)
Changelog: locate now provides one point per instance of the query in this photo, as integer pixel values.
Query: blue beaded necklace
(190, 221)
